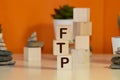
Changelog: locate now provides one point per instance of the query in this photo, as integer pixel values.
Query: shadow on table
(36, 67)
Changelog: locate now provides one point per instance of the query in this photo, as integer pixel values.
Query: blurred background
(20, 18)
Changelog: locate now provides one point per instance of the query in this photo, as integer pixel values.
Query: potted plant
(63, 12)
(63, 16)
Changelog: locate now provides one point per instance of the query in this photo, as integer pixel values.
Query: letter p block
(64, 62)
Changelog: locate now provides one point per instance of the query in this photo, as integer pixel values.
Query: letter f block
(64, 32)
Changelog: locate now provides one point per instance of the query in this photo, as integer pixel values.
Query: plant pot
(116, 44)
(58, 22)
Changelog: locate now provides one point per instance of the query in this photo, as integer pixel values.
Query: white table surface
(98, 70)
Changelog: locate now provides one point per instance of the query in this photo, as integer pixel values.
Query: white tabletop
(98, 70)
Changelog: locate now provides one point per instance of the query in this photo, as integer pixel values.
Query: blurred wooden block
(82, 42)
(60, 47)
(86, 28)
(64, 32)
(3, 48)
(82, 28)
(115, 44)
(81, 14)
(64, 62)
(32, 55)
(80, 57)
(2, 44)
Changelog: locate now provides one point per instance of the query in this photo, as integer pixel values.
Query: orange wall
(112, 8)
(21, 17)
(97, 18)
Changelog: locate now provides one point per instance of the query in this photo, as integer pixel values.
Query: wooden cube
(64, 32)
(3, 48)
(82, 28)
(82, 42)
(62, 22)
(80, 57)
(64, 62)
(60, 47)
(81, 14)
(32, 55)
(116, 44)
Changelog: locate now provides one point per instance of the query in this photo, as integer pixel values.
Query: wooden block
(64, 32)
(61, 22)
(115, 44)
(82, 28)
(60, 47)
(81, 14)
(76, 29)
(80, 58)
(80, 55)
(86, 28)
(3, 48)
(82, 42)
(2, 44)
(32, 54)
(64, 62)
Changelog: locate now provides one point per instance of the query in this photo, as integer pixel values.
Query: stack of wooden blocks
(67, 58)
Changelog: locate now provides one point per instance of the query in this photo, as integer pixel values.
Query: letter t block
(60, 47)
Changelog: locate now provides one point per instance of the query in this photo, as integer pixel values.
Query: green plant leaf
(63, 12)
(58, 16)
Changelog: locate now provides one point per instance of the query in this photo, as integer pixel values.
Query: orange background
(19, 18)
